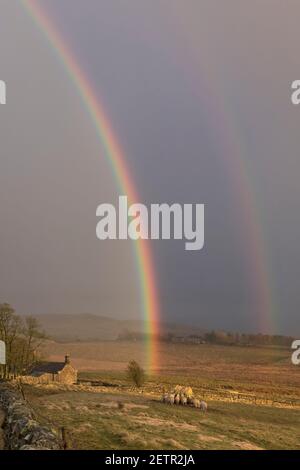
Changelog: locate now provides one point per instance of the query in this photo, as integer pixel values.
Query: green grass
(216, 373)
(93, 421)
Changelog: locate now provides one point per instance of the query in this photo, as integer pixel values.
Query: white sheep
(177, 399)
(183, 399)
(196, 403)
(188, 392)
(177, 389)
(203, 406)
(171, 399)
(190, 400)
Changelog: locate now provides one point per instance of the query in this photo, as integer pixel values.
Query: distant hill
(90, 327)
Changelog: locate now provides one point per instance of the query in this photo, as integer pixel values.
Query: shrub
(136, 373)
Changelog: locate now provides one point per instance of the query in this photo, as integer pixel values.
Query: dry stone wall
(2, 440)
(21, 430)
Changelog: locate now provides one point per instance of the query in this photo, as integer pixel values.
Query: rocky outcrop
(21, 429)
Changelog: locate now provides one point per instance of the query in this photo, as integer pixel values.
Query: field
(252, 394)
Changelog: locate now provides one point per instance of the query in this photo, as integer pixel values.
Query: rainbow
(117, 160)
(234, 152)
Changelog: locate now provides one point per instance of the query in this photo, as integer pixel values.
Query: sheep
(182, 396)
(177, 399)
(188, 392)
(183, 399)
(165, 397)
(196, 403)
(171, 398)
(178, 389)
(203, 406)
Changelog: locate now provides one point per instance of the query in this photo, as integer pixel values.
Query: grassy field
(93, 420)
(252, 393)
(265, 372)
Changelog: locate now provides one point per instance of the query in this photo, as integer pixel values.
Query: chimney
(67, 359)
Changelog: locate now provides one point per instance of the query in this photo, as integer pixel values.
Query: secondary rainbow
(115, 155)
(204, 81)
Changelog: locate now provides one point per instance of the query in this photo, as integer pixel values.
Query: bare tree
(10, 328)
(23, 339)
(34, 338)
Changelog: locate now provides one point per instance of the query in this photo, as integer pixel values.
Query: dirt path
(2, 417)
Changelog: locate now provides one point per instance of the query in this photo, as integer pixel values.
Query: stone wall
(2, 440)
(32, 380)
(21, 428)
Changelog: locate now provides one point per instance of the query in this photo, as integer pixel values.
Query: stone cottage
(49, 372)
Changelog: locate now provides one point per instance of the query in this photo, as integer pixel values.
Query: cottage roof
(47, 367)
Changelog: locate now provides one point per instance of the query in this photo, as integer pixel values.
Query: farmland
(252, 393)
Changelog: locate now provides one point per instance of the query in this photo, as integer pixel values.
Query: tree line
(212, 337)
(247, 339)
(22, 337)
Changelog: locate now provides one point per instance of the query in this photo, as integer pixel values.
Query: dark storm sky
(198, 93)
